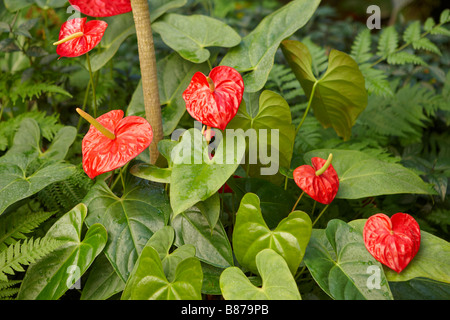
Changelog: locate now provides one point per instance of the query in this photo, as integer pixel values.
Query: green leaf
(61, 143)
(341, 265)
(339, 96)
(276, 203)
(420, 289)
(102, 282)
(149, 282)
(211, 246)
(255, 54)
(277, 281)
(405, 57)
(388, 42)
(130, 220)
(162, 242)
(174, 75)
(445, 16)
(412, 33)
(119, 29)
(14, 5)
(53, 275)
(197, 177)
(361, 48)
(22, 171)
(431, 261)
(251, 235)
(271, 125)
(151, 172)
(361, 175)
(190, 35)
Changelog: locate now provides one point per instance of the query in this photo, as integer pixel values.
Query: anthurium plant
(221, 150)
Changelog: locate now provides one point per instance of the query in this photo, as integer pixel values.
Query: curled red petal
(101, 154)
(392, 241)
(322, 188)
(101, 8)
(215, 109)
(92, 34)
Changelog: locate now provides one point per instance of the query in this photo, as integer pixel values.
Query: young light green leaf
(149, 282)
(251, 235)
(277, 281)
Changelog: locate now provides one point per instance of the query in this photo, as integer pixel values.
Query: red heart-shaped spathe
(101, 8)
(101, 154)
(392, 241)
(92, 34)
(215, 108)
(322, 188)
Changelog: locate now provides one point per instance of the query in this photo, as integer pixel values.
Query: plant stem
(147, 59)
(307, 108)
(86, 94)
(88, 60)
(298, 200)
(320, 214)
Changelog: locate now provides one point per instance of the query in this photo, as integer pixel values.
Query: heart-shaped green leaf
(341, 265)
(162, 242)
(272, 124)
(53, 275)
(196, 176)
(361, 175)
(339, 96)
(431, 261)
(151, 172)
(251, 235)
(190, 35)
(276, 203)
(255, 54)
(277, 281)
(130, 220)
(149, 282)
(25, 170)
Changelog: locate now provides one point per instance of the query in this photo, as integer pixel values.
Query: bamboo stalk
(147, 59)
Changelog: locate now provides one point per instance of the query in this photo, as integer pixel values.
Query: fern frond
(426, 44)
(388, 42)
(412, 33)
(64, 195)
(6, 290)
(49, 125)
(24, 253)
(13, 226)
(28, 90)
(361, 47)
(376, 81)
(282, 80)
(403, 57)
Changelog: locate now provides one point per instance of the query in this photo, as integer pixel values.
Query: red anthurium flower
(77, 37)
(113, 140)
(214, 100)
(392, 241)
(320, 181)
(102, 8)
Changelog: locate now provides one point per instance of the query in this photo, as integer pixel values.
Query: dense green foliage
(379, 100)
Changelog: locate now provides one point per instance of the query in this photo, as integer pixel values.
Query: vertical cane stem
(147, 59)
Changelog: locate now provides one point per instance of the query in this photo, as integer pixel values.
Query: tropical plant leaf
(255, 54)
(277, 281)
